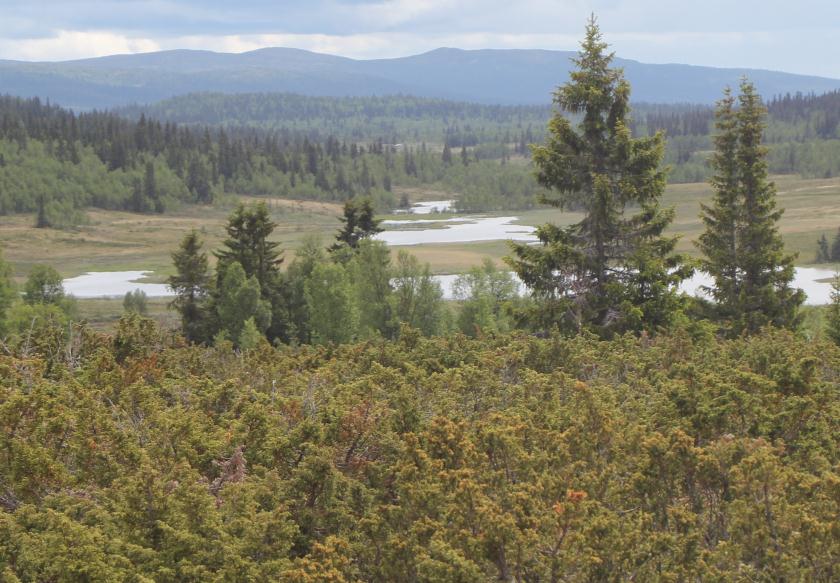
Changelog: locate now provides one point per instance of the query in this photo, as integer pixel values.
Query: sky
(798, 37)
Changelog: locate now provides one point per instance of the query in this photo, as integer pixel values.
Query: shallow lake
(806, 278)
(466, 229)
(431, 206)
(112, 284)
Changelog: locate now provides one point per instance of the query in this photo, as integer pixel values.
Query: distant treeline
(394, 119)
(56, 163)
(802, 133)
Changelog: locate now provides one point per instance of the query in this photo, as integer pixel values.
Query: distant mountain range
(482, 76)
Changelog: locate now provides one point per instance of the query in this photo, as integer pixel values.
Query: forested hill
(803, 130)
(394, 118)
(486, 76)
(57, 163)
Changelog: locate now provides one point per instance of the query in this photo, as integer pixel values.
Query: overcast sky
(797, 36)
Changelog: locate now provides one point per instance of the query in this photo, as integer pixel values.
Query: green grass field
(115, 241)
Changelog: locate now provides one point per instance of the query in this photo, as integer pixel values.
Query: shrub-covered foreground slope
(448, 459)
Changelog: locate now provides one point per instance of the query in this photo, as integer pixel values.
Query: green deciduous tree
(136, 302)
(43, 286)
(418, 298)
(370, 270)
(485, 294)
(307, 256)
(239, 300)
(333, 316)
(614, 270)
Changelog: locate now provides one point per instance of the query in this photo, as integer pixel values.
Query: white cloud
(74, 44)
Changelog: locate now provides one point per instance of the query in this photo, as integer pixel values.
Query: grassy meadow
(115, 240)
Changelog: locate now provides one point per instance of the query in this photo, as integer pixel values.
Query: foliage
(191, 284)
(43, 286)
(333, 315)
(613, 270)
(7, 291)
(744, 252)
(833, 319)
(136, 302)
(445, 459)
(358, 223)
(239, 301)
(418, 298)
(370, 271)
(486, 295)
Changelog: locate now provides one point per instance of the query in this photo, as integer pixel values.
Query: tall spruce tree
(743, 250)
(719, 240)
(191, 286)
(613, 270)
(248, 244)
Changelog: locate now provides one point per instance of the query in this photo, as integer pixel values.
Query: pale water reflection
(431, 206)
(459, 230)
(806, 278)
(112, 284)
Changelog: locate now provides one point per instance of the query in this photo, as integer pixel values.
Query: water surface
(113, 284)
(805, 278)
(467, 229)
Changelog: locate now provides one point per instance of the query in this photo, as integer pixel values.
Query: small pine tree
(835, 247)
(359, 223)
(191, 286)
(446, 157)
(250, 336)
(823, 254)
(42, 221)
